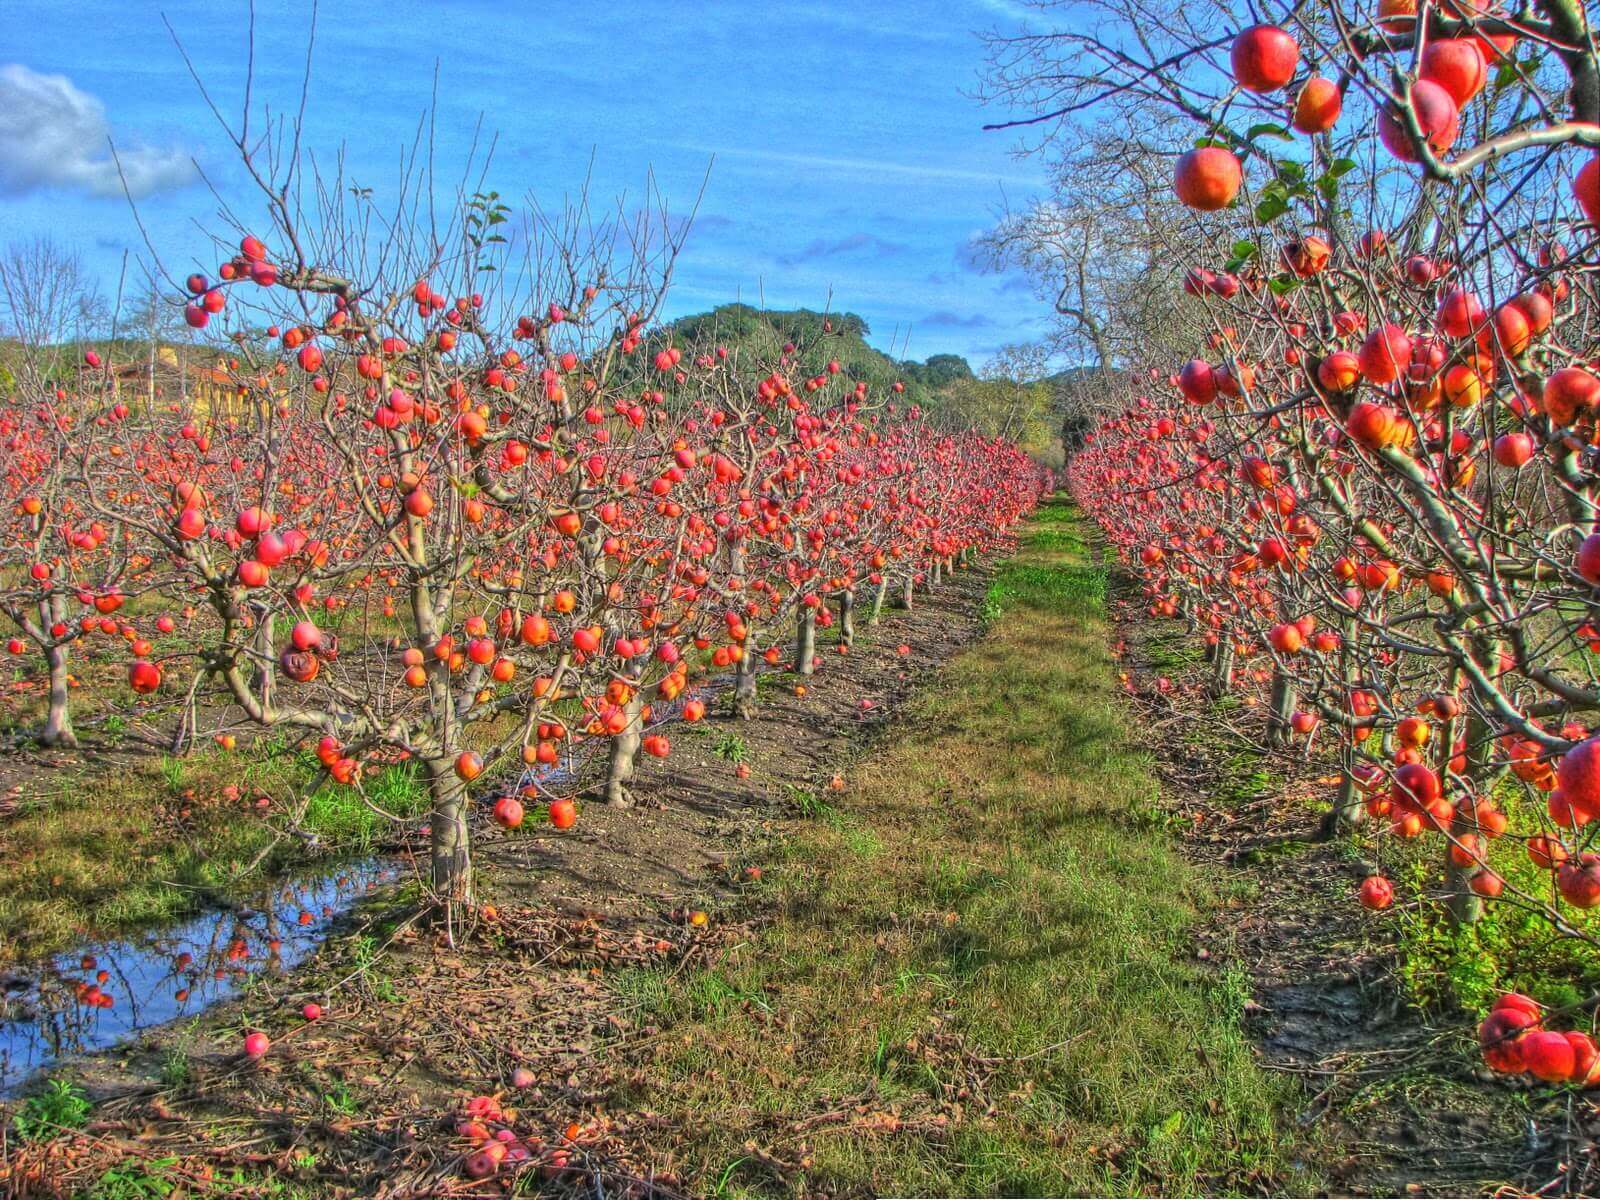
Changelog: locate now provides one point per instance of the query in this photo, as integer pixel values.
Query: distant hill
(740, 325)
(945, 385)
(1081, 396)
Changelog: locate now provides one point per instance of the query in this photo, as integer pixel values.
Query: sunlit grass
(992, 920)
(93, 856)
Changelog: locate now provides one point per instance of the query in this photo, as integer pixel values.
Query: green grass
(982, 970)
(1171, 651)
(94, 857)
(340, 817)
(731, 746)
(1451, 969)
(61, 1105)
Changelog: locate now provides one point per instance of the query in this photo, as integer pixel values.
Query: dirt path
(680, 843)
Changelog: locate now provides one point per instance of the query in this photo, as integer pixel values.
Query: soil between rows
(364, 1101)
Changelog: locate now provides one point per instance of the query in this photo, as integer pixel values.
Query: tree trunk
(625, 754)
(266, 657)
(1348, 810)
(906, 599)
(805, 642)
(1221, 670)
(743, 704)
(934, 576)
(847, 617)
(57, 729)
(451, 857)
(1279, 730)
(877, 599)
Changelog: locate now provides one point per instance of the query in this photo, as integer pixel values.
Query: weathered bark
(847, 617)
(1463, 904)
(1347, 811)
(266, 658)
(1570, 23)
(906, 601)
(1281, 709)
(743, 705)
(877, 599)
(805, 642)
(1221, 670)
(624, 756)
(451, 859)
(57, 729)
(934, 578)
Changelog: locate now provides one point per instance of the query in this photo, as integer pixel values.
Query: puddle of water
(105, 993)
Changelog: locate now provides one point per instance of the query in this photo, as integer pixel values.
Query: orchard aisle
(918, 928)
(980, 979)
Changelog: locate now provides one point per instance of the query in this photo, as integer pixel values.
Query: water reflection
(106, 992)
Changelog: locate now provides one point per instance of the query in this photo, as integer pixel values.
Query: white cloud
(52, 135)
(861, 168)
(1011, 10)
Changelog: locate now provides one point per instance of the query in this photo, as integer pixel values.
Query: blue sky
(847, 158)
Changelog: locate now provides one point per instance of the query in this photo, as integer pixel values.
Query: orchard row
(470, 530)
(1372, 494)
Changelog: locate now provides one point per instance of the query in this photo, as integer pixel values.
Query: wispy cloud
(874, 246)
(54, 135)
(1011, 10)
(863, 168)
(862, 19)
(949, 320)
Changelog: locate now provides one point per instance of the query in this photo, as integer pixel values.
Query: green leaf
(1291, 172)
(1510, 71)
(1283, 284)
(1245, 250)
(1268, 129)
(1271, 209)
(1328, 186)
(1340, 167)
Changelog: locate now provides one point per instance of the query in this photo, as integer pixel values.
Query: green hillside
(765, 332)
(945, 385)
